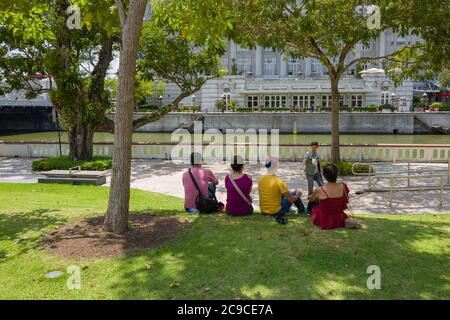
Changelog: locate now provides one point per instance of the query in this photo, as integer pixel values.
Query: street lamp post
(225, 100)
(425, 100)
(193, 102)
(160, 99)
(393, 97)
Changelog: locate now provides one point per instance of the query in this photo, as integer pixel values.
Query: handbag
(236, 187)
(351, 222)
(348, 201)
(310, 167)
(204, 205)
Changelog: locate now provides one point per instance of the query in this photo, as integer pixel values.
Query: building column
(382, 43)
(233, 54)
(259, 61)
(283, 65)
(308, 63)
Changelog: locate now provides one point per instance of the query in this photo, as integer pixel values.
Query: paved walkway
(165, 177)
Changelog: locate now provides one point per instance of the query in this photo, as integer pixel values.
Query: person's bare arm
(292, 198)
(315, 196)
(213, 179)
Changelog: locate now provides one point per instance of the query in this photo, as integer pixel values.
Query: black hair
(196, 158)
(314, 143)
(238, 164)
(331, 173)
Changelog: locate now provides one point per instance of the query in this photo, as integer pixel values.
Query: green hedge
(148, 108)
(388, 107)
(267, 109)
(342, 109)
(246, 110)
(367, 109)
(441, 106)
(190, 108)
(345, 168)
(64, 163)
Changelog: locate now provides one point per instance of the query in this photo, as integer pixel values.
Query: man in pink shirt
(206, 182)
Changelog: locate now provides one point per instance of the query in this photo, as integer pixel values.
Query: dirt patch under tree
(87, 240)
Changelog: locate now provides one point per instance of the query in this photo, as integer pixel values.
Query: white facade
(270, 79)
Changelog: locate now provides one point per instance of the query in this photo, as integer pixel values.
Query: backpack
(204, 205)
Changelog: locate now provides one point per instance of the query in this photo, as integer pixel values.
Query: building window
(326, 101)
(275, 101)
(385, 96)
(293, 67)
(342, 100)
(252, 101)
(244, 64)
(357, 101)
(401, 40)
(297, 102)
(270, 63)
(315, 66)
(302, 102)
(366, 47)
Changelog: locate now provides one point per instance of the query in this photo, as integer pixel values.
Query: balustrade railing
(286, 152)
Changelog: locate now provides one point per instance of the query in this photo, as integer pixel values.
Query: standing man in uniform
(312, 170)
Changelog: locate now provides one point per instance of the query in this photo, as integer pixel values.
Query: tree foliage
(330, 30)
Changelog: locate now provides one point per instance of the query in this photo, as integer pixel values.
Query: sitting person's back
(206, 182)
(271, 189)
(332, 202)
(274, 196)
(239, 188)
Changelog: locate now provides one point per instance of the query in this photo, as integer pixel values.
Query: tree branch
(387, 57)
(156, 115)
(122, 15)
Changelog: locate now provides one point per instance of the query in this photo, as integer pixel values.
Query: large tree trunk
(116, 219)
(81, 140)
(335, 97)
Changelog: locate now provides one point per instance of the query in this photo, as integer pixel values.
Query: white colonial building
(270, 79)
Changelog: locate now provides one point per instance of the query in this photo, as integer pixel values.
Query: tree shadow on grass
(24, 228)
(254, 258)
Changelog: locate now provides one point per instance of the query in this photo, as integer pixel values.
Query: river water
(284, 139)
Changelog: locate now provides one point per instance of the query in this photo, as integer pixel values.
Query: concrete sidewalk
(165, 177)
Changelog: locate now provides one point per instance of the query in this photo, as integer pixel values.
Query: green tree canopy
(330, 30)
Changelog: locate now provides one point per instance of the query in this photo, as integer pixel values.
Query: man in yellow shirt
(274, 196)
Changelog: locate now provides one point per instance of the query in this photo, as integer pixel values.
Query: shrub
(345, 168)
(445, 107)
(274, 109)
(190, 108)
(148, 108)
(64, 163)
(441, 106)
(366, 109)
(220, 105)
(246, 110)
(388, 107)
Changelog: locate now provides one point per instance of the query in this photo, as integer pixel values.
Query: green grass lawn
(245, 258)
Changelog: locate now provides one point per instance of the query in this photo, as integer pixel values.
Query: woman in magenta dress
(333, 200)
(239, 188)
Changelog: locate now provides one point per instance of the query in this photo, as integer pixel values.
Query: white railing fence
(286, 152)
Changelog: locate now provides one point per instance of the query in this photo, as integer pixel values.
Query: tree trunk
(116, 219)
(335, 97)
(81, 140)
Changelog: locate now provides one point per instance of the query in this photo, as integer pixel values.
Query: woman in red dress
(333, 200)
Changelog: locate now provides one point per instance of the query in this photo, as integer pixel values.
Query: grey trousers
(311, 178)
